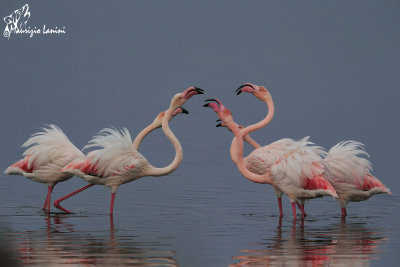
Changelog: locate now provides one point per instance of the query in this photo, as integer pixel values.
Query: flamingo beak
(239, 90)
(184, 111)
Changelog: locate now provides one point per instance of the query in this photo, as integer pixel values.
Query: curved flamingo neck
(265, 121)
(251, 141)
(139, 138)
(247, 139)
(237, 155)
(154, 171)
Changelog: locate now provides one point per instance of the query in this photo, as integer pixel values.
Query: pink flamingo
(136, 144)
(261, 159)
(118, 162)
(46, 154)
(349, 172)
(300, 174)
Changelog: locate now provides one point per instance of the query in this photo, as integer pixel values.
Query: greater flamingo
(350, 174)
(118, 162)
(300, 174)
(46, 154)
(349, 171)
(136, 144)
(261, 160)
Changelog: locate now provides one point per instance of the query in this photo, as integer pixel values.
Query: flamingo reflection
(58, 243)
(342, 244)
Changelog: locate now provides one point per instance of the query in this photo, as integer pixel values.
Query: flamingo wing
(261, 159)
(116, 156)
(46, 154)
(346, 163)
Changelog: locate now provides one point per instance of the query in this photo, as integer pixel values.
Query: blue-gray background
(332, 68)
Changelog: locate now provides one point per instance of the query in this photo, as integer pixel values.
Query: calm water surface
(170, 223)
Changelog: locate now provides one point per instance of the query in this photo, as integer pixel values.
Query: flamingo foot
(57, 202)
(58, 206)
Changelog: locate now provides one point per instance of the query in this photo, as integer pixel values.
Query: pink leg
(57, 202)
(280, 207)
(45, 202)
(302, 210)
(294, 210)
(48, 199)
(344, 212)
(112, 203)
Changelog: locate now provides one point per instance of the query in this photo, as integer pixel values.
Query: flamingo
(47, 153)
(136, 144)
(262, 159)
(350, 172)
(300, 173)
(118, 162)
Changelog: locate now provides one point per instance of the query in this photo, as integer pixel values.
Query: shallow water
(174, 224)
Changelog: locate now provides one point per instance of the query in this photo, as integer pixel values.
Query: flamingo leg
(45, 202)
(302, 210)
(112, 203)
(48, 199)
(280, 207)
(57, 202)
(294, 210)
(344, 212)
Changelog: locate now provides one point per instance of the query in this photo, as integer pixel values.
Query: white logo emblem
(17, 20)
(16, 23)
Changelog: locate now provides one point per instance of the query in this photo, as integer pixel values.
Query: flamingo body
(46, 154)
(350, 173)
(116, 162)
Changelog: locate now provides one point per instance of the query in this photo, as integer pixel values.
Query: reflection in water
(342, 244)
(60, 244)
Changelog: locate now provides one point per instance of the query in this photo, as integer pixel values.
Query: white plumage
(115, 162)
(46, 154)
(346, 163)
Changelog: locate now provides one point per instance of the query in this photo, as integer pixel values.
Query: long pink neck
(154, 171)
(248, 140)
(265, 121)
(238, 156)
(139, 138)
(251, 128)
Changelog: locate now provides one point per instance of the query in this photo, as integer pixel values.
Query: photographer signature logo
(16, 23)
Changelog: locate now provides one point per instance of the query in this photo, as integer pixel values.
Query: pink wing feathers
(116, 156)
(46, 154)
(303, 167)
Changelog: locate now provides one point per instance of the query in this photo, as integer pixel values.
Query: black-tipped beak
(199, 90)
(206, 105)
(218, 120)
(184, 111)
(239, 90)
(218, 125)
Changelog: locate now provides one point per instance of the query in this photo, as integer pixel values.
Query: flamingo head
(181, 98)
(158, 120)
(223, 113)
(258, 91)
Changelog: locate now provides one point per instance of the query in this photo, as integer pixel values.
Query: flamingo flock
(297, 168)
